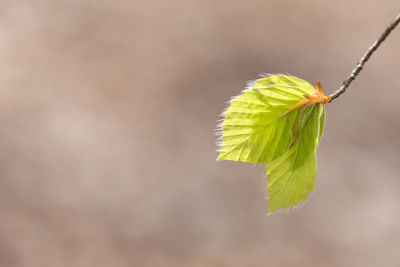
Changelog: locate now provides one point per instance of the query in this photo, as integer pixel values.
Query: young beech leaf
(278, 120)
(291, 177)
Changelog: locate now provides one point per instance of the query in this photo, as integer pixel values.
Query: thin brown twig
(364, 59)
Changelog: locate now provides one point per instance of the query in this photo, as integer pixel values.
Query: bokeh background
(108, 111)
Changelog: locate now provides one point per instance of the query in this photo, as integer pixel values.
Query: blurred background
(108, 111)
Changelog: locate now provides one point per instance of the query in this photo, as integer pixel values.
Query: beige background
(108, 111)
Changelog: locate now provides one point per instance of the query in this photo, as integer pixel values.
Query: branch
(365, 58)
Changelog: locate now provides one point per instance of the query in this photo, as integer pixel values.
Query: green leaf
(254, 128)
(258, 128)
(291, 177)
